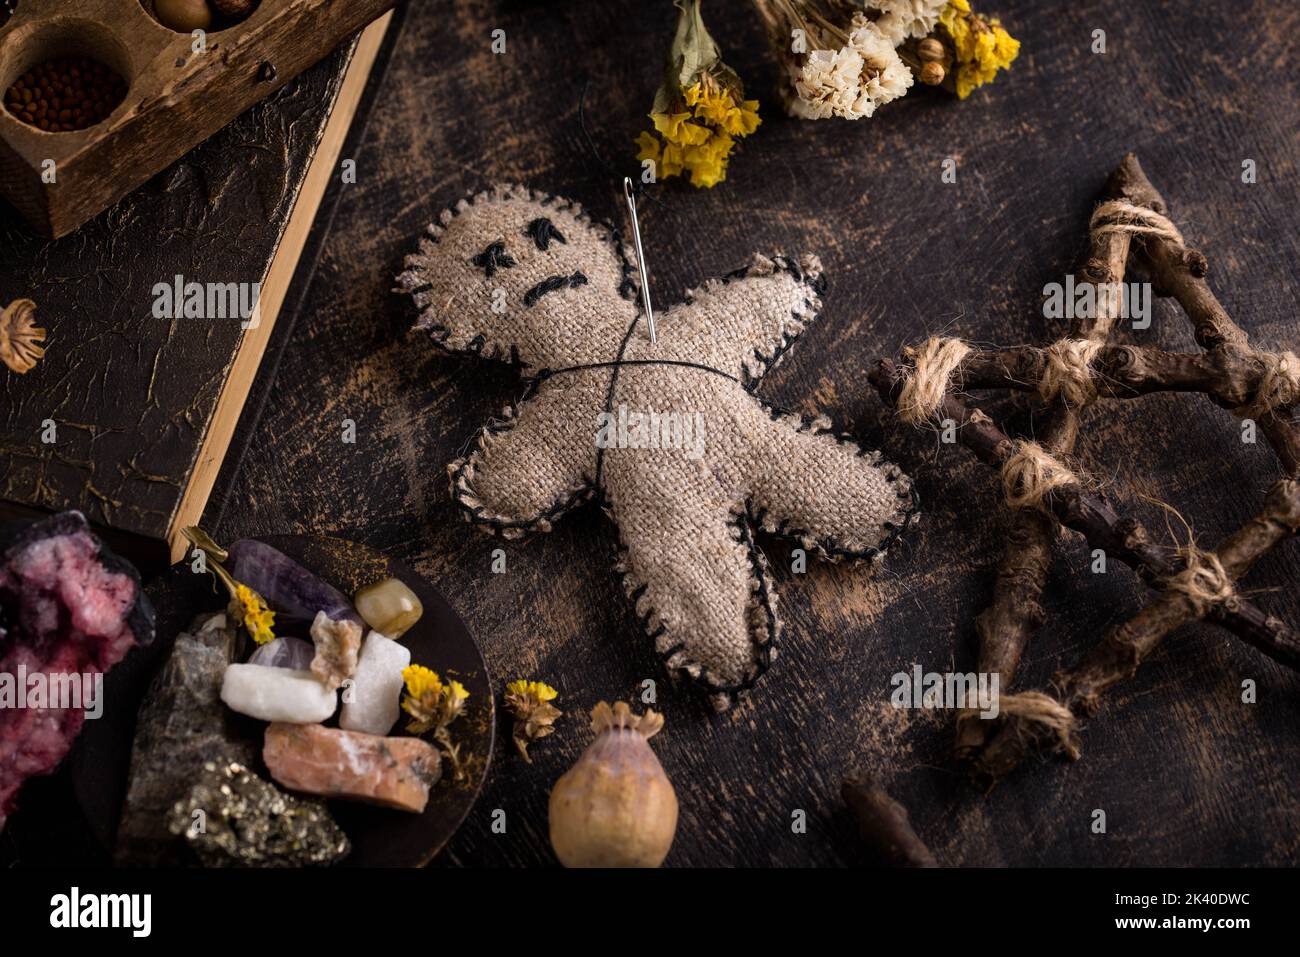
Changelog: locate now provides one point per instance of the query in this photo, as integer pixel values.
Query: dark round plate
(380, 837)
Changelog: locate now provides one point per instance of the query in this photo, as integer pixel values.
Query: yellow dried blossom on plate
(433, 705)
(251, 609)
(699, 111)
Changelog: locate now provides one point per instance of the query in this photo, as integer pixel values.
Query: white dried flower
(852, 81)
(885, 76)
(903, 19)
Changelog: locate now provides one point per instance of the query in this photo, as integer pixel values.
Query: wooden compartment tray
(180, 90)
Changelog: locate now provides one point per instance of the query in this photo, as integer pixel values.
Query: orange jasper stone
(390, 772)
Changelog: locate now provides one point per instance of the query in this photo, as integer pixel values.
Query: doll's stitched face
(520, 255)
(521, 279)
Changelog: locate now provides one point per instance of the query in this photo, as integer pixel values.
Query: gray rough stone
(182, 725)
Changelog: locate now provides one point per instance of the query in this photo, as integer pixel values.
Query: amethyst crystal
(295, 593)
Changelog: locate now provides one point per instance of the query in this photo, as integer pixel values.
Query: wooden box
(180, 89)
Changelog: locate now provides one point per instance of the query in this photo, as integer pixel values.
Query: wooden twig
(1088, 512)
(1180, 271)
(884, 824)
(1124, 647)
(1015, 612)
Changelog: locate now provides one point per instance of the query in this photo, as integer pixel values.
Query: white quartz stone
(277, 694)
(371, 703)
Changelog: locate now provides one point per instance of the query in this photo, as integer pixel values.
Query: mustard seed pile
(65, 93)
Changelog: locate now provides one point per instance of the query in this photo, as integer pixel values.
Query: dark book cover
(159, 311)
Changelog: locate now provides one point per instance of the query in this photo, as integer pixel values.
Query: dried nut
(183, 15)
(389, 607)
(233, 8)
(929, 50)
(932, 74)
(20, 336)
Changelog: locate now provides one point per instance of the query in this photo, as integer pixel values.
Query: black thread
(551, 284)
(493, 257)
(619, 363)
(541, 230)
(609, 399)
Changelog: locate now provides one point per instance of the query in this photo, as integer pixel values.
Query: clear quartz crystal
(389, 607)
(285, 652)
(371, 703)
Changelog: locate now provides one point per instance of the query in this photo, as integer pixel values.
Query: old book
(159, 311)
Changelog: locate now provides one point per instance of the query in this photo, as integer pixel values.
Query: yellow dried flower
(981, 46)
(421, 682)
(254, 613)
(433, 705)
(699, 112)
(676, 128)
(530, 703)
(535, 690)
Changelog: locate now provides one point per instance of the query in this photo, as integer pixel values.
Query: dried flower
(433, 705)
(854, 80)
(251, 609)
(907, 19)
(20, 336)
(981, 46)
(849, 57)
(530, 703)
(699, 111)
(246, 606)
(838, 59)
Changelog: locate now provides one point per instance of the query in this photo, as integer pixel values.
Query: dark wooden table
(1186, 773)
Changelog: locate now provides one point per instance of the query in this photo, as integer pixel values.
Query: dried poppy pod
(615, 807)
(20, 336)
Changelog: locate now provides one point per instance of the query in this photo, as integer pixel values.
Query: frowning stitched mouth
(551, 284)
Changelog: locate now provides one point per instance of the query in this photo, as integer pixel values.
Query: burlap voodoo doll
(668, 437)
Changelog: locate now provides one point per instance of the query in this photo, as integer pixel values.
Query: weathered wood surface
(1185, 772)
(176, 98)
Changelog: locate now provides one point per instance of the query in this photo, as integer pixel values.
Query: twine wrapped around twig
(1068, 373)
(1118, 216)
(930, 378)
(1030, 474)
(1279, 386)
(1042, 711)
(1204, 582)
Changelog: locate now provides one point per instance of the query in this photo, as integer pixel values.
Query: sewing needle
(640, 257)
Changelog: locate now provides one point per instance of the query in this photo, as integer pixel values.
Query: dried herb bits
(65, 93)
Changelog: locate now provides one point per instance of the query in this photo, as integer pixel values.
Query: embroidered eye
(493, 258)
(542, 231)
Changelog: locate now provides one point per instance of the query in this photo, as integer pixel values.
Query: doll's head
(516, 275)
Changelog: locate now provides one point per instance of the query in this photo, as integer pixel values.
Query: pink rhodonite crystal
(69, 609)
(392, 772)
